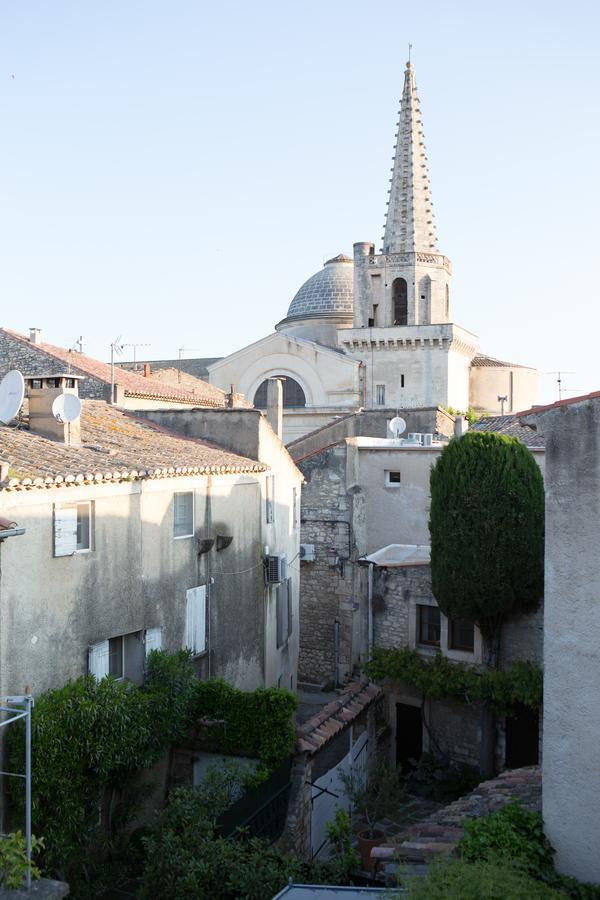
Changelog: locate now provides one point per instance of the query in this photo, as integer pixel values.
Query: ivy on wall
(438, 678)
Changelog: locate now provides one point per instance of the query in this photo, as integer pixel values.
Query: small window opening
(429, 625)
(462, 635)
(400, 301)
(380, 394)
(393, 479)
(402, 381)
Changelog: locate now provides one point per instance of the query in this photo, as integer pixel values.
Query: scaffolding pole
(19, 707)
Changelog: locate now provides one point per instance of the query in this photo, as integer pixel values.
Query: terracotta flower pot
(368, 839)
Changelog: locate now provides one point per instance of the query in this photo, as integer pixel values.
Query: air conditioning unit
(307, 552)
(275, 569)
(415, 436)
(427, 440)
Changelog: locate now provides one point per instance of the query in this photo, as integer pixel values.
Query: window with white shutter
(183, 514)
(195, 620)
(72, 528)
(153, 640)
(282, 610)
(98, 659)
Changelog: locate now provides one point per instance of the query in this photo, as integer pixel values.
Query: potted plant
(372, 797)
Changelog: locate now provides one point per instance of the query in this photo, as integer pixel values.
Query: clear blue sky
(172, 172)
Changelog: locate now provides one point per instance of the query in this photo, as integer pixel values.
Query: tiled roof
(116, 445)
(327, 293)
(511, 426)
(489, 361)
(336, 716)
(568, 401)
(187, 382)
(134, 385)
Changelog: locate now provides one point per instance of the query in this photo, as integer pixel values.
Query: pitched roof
(482, 360)
(116, 445)
(337, 715)
(512, 427)
(568, 401)
(135, 385)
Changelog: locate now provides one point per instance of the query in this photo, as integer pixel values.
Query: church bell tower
(408, 282)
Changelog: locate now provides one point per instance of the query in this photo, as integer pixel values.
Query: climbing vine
(438, 678)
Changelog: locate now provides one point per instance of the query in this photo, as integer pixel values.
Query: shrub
(13, 859)
(513, 832)
(457, 879)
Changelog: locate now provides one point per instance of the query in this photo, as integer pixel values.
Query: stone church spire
(409, 225)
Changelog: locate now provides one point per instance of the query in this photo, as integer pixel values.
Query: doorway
(522, 738)
(409, 735)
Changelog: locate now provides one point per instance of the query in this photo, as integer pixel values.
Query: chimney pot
(35, 335)
(147, 370)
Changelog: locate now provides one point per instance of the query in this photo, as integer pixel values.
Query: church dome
(328, 293)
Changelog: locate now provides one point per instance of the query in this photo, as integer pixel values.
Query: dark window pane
(115, 657)
(394, 477)
(293, 395)
(462, 635)
(400, 301)
(429, 625)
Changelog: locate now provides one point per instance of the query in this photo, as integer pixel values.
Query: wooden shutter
(195, 620)
(153, 639)
(98, 659)
(65, 530)
(281, 614)
(289, 606)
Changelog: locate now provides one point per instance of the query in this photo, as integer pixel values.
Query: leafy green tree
(487, 532)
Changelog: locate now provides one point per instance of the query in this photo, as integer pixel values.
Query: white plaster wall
(521, 385)
(135, 577)
(571, 759)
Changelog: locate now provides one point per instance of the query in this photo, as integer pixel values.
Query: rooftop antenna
(12, 391)
(183, 350)
(115, 347)
(135, 346)
(559, 380)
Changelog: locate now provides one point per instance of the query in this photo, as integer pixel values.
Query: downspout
(370, 608)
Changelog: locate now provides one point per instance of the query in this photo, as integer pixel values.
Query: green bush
(487, 530)
(13, 859)
(513, 832)
(457, 879)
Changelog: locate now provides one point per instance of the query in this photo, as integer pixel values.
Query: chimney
(35, 335)
(4, 468)
(42, 391)
(275, 405)
(461, 426)
(147, 370)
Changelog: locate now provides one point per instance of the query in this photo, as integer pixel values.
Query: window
(380, 394)
(124, 655)
(72, 528)
(402, 381)
(461, 635)
(392, 479)
(293, 394)
(195, 620)
(284, 612)
(400, 301)
(270, 498)
(183, 514)
(428, 625)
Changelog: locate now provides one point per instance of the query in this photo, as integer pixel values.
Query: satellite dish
(66, 408)
(12, 391)
(397, 426)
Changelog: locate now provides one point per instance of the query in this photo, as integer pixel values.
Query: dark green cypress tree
(487, 532)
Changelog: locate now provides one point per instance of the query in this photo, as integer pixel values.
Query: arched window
(400, 301)
(293, 395)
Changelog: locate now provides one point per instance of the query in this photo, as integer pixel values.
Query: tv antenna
(181, 351)
(397, 426)
(559, 375)
(135, 346)
(12, 391)
(116, 347)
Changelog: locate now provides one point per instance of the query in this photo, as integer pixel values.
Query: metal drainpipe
(336, 652)
(370, 609)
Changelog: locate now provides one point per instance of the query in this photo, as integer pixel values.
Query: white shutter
(65, 530)
(98, 659)
(195, 621)
(153, 639)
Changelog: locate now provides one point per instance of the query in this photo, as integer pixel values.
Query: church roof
(327, 293)
(409, 222)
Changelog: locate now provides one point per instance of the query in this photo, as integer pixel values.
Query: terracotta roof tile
(115, 445)
(336, 715)
(512, 427)
(134, 385)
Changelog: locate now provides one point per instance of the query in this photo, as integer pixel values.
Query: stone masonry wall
(393, 590)
(326, 595)
(31, 360)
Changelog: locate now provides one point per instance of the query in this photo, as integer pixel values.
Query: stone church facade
(375, 331)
